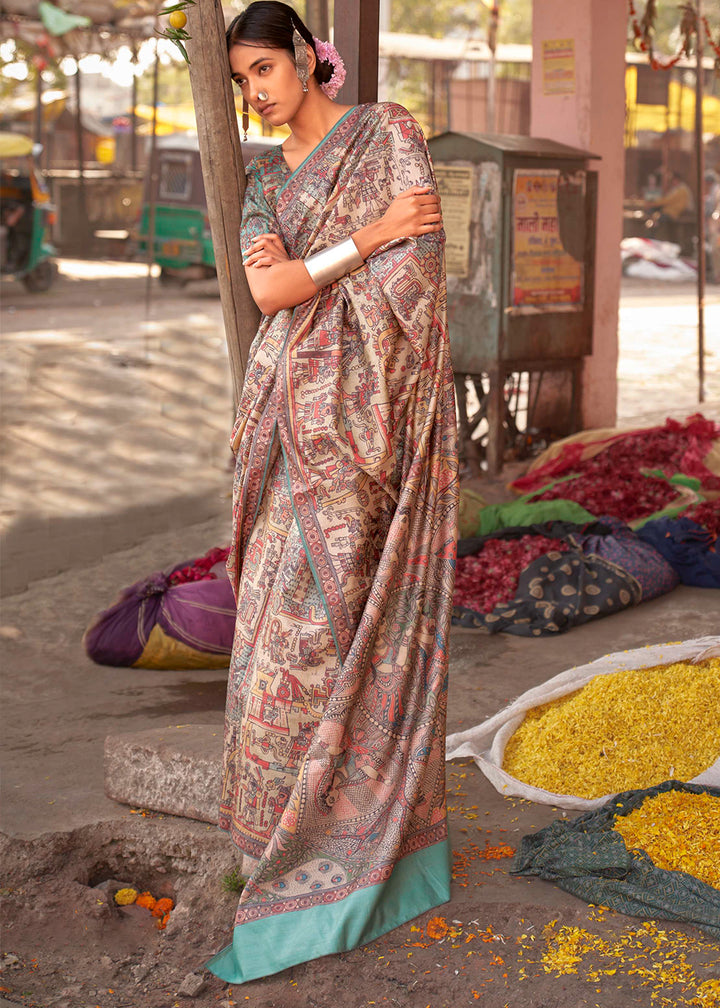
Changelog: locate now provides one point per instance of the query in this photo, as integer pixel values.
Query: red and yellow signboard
(545, 275)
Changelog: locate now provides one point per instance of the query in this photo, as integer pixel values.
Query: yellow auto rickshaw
(26, 216)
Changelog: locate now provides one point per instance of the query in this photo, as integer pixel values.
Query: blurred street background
(115, 422)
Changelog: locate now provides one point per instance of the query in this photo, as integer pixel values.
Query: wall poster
(548, 240)
(558, 66)
(455, 188)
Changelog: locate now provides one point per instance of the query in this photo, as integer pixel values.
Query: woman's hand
(265, 250)
(413, 213)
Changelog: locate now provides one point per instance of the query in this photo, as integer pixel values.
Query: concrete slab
(176, 769)
(58, 706)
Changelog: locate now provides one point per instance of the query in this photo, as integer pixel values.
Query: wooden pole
(493, 18)
(223, 175)
(356, 36)
(133, 114)
(38, 127)
(700, 164)
(152, 192)
(83, 231)
(317, 18)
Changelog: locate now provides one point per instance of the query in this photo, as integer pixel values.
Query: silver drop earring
(302, 61)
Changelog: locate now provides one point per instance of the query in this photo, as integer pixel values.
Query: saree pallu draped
(345, 502)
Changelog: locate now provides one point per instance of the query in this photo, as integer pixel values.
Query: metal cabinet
(519, 217)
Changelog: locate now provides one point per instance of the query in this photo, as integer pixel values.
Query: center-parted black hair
(271, 23)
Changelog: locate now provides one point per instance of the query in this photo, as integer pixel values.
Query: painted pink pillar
(587, 110)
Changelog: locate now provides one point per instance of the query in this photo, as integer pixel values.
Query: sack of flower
(650, 853)
(625, 721)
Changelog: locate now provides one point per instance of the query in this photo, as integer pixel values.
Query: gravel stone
(192, 985)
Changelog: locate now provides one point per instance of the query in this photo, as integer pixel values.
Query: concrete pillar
(579, 99)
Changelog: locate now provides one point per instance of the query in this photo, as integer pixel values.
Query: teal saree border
(260, 948)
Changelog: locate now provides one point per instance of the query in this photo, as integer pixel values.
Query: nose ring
(263, 95)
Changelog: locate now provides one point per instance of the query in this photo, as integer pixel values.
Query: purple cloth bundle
(157, 623)
(642, 561)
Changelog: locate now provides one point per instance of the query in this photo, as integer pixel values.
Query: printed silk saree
(344, 519)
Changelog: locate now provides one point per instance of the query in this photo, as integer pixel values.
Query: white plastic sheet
(486, 742)
(650, 259)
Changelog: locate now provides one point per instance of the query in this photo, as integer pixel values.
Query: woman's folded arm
(277, 282)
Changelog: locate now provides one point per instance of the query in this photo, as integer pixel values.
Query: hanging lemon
(178, 19)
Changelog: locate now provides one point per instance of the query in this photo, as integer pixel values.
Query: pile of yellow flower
(679, 831)
(159, 908)
(622, 731)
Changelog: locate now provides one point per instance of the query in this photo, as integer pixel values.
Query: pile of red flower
(201, 569)
(491, 576)
(616, 481)
(706, 514)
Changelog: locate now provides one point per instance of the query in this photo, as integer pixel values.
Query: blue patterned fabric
(607, 569)
(688, 547)
(587, 858)
(621, 546)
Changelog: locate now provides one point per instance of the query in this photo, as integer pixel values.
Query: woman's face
(260, 69)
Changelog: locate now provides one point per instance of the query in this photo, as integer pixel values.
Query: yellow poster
(546, 275)
(558, 66)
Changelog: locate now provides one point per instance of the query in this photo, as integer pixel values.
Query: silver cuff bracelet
(332, 263)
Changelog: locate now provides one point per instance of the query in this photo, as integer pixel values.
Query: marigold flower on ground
(437, 928)
(124, 897)
(146, 899)
(162, 907)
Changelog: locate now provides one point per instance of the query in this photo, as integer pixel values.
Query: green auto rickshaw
(26, 216)
(182, 244)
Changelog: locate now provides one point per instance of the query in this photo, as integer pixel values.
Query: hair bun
(324, 70)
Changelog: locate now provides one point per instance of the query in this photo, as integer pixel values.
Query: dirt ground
(114, 440)
(511, 941)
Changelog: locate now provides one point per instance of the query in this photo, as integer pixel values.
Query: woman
(344, 519)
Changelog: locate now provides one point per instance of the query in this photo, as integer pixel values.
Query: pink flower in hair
(327, 53)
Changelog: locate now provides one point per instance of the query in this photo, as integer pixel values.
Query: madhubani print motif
(343, 553)
(285, 659)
